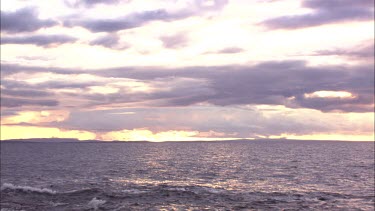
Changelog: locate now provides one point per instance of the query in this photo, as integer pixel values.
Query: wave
(96, 203)
(134, 191)
(10, 186)
(57, 204)
(182, 189)
(213, 190)
(165, 197)
(85, 191)
(7, 209)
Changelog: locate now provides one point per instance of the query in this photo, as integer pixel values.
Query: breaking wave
(168, 196)
(6, 186)
(96, 203)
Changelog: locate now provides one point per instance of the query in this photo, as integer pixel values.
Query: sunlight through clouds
(330, 94)
(187, 70)
(147, 135)
(25, 132)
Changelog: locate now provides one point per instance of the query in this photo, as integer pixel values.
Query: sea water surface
(239, 175)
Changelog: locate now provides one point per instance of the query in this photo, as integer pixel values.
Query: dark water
(188, 176)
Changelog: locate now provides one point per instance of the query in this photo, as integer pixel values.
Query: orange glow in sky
(187, 70)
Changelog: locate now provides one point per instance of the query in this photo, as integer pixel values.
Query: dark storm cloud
(23, 20)
(325, 12)
(40, 40)
(272, 83)
(18, 102)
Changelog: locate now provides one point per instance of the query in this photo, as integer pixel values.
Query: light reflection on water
(319, 175)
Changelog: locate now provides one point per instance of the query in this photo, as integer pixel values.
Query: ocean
(238, 175)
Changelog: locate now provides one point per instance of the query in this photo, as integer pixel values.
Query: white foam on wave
(212, 190)
(134, 191)
(56, 204)
(8, 209)
(26, 188)
(177, 189)
(96, 203)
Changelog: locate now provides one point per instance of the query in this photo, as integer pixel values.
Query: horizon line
(75, 140)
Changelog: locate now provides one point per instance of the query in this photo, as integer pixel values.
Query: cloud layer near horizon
(188, 69)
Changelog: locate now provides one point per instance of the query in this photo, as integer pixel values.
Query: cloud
(109, 25)
(325, 12)
(18, 102)
(210, 4)
(174, 41)
(65, 84)
(360, 52)
(272, 83)
(24, 93)
(35, 58)
(131, 21)
(39, 40)
(110, 41)
(285, 84)
(335, 4)
(230, 50)
(23, 20)
(10, 69)
(240, 122)
(363, 103)
(90, 3)
(26, 132)
(138, 19)
(35, 117)
(180, 91)
(142, 134)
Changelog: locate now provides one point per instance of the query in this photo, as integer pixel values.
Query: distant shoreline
(64, 140)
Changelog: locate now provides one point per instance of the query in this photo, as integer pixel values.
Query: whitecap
(133, 191)
(212, 190)
(177, 189)
(7, 209)
(96, 203)
(26, 188)
(57, 204)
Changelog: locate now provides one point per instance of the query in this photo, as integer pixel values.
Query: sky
(177, 70)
